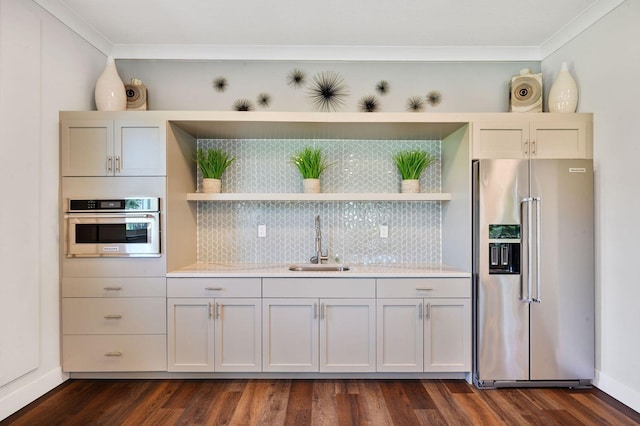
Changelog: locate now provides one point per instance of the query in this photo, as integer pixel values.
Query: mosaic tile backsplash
(228, 231)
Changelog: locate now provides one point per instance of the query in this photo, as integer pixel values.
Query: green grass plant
(411, 164)
(310, 163)
(213, 162)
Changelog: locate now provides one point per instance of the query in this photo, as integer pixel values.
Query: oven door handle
(111, 216)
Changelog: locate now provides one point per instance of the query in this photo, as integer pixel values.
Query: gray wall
(187, 85)
(605, 61)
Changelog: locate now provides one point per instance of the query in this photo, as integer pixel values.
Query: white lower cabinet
(113, 324)
(326, 333)
(424, 334)
(220, 333)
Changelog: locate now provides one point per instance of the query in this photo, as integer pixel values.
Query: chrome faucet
(319, 257)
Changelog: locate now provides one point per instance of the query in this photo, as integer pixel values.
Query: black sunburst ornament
(434, 98)
(327, 91)
(382, 87)
(264, 100)
(369, 103)
(415, 104)
(296, 78)
(220, 84)
(243, 105)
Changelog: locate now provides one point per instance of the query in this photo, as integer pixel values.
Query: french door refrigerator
(533, 273)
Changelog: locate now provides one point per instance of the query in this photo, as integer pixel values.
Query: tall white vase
(563, 96)
(110, 94)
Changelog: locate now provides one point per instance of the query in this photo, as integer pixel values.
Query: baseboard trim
(623, 393)
(31, 391)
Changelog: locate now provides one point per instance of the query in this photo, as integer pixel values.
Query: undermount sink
(322, 267)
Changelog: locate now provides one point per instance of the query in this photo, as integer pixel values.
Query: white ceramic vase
(110, 94)
(410, 186)
(211, 185)
(563, 96)
(311, 186)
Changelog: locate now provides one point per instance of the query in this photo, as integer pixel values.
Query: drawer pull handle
(113, 316)
(213, 288)
(113, 354)
(113, 288)
(424, 289)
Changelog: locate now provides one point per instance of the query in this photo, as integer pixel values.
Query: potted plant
(311, 165)
(212, 164)
(411, 164)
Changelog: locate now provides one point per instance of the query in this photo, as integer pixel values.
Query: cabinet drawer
(114, 287)
(319, 287)
(114, 353)
(423, 287)
(214, 287)
(114, 316)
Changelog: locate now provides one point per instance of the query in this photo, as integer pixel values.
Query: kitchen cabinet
(214, 324)
(424, 325)
(547, 136)
(113, 148)
(113, 324)
(317, 324)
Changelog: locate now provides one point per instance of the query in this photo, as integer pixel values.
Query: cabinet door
(447, 335)
(399, 335)
(238, 332)
(290, 335)
(347, 335)
(564, 139)
(190, 334)
(86, 148)
(501, 140)
(139, 149)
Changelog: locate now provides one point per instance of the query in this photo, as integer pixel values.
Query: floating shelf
(345, 196)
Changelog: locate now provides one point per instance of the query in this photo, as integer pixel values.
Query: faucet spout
(319, 258)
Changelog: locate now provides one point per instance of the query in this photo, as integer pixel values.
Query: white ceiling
(329, 29)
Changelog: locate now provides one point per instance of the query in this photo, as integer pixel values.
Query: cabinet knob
(113, 354)
(113, 316)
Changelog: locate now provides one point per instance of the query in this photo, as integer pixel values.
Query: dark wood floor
(316, 402)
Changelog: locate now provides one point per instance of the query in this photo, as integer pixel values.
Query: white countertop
(388, 270)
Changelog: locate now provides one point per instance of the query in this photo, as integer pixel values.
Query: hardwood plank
(251, 403)
(374, 407)
(223, 409)
(446, 404)
(324, 409)
(476, 409)
(349, 413)
(512, 408)
(417, 394)
(398, 403)
(199, 409)
(299, 405)
(615, 405)
(275, 407)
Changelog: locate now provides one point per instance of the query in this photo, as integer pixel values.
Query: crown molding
(74, 22)
(590, 16)
(327, 53)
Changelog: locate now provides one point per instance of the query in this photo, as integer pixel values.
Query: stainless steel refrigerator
(533, 273)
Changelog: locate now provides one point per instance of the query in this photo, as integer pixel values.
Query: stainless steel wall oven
(125, 227)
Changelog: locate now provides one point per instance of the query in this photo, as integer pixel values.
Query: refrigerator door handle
(537, 202)
(526, 275)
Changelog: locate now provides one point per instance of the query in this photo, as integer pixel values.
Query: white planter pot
(211, 185)
(110, 94)
(410, 186)
(311, 186)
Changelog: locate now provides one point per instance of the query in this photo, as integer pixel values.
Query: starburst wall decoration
(327, 91)
(415, 104)
(220, 84)
(369, 103)
(434, 98)
(243, 105)
(382, 87)
(296, 78)
(264, 100)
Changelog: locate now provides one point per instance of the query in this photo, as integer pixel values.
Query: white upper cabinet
(538, 136)
(113, 148)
